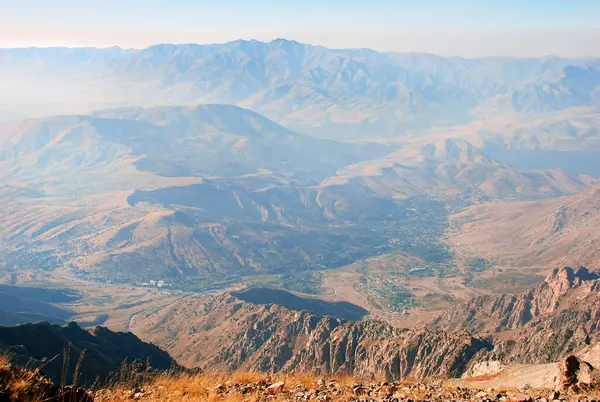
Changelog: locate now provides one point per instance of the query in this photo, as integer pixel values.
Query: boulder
(575, 375)
(275, 388)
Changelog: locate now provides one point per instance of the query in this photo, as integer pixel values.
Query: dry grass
(4, 359)
(204, 387)
(247, 387)
(20, 384)
(213, 387)
(242, 377)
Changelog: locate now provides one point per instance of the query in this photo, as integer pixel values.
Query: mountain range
(274, 331)
(337, 93)
(287, 208)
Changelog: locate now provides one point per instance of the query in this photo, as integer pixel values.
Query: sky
(469, 28)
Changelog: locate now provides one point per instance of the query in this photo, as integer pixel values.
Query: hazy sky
(449, 27)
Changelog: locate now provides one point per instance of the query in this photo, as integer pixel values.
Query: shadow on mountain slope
(19, 305)
(343, 310)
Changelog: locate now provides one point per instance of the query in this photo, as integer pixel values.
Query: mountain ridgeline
(558, 317)
(274, 331)
(257, 331)
(227, 332)
(339, 93)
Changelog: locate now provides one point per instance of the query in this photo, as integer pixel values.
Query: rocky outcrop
(226, 333)
(576, 375)
(60, 352)
(553, 337)
(558, 317)
(486, 367)
(495, 313)
(373, 347)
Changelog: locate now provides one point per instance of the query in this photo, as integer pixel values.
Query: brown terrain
(508, 339)
(24, 385)
(227, 333)
(557, 317)
(391, 294)
(557, 232)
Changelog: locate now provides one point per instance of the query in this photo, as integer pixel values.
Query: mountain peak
(564, 279)
(284, 41)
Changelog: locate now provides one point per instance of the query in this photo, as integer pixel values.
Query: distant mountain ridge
(201, 141)
(329, 92)
(454, 168)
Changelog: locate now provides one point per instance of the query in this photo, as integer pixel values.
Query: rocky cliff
(226, 333)
(495, 313)
(548, 339)
(559, 316)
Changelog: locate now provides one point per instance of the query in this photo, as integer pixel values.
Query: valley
(286, 208)
(348, 238)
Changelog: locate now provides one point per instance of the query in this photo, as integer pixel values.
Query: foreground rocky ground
(22, 385)
(576, 382)
(571, 385)
(292, 389)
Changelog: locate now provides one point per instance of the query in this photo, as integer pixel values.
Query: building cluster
(156, 284)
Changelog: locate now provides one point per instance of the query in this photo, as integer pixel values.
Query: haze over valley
(282, 207)
(218, 191)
